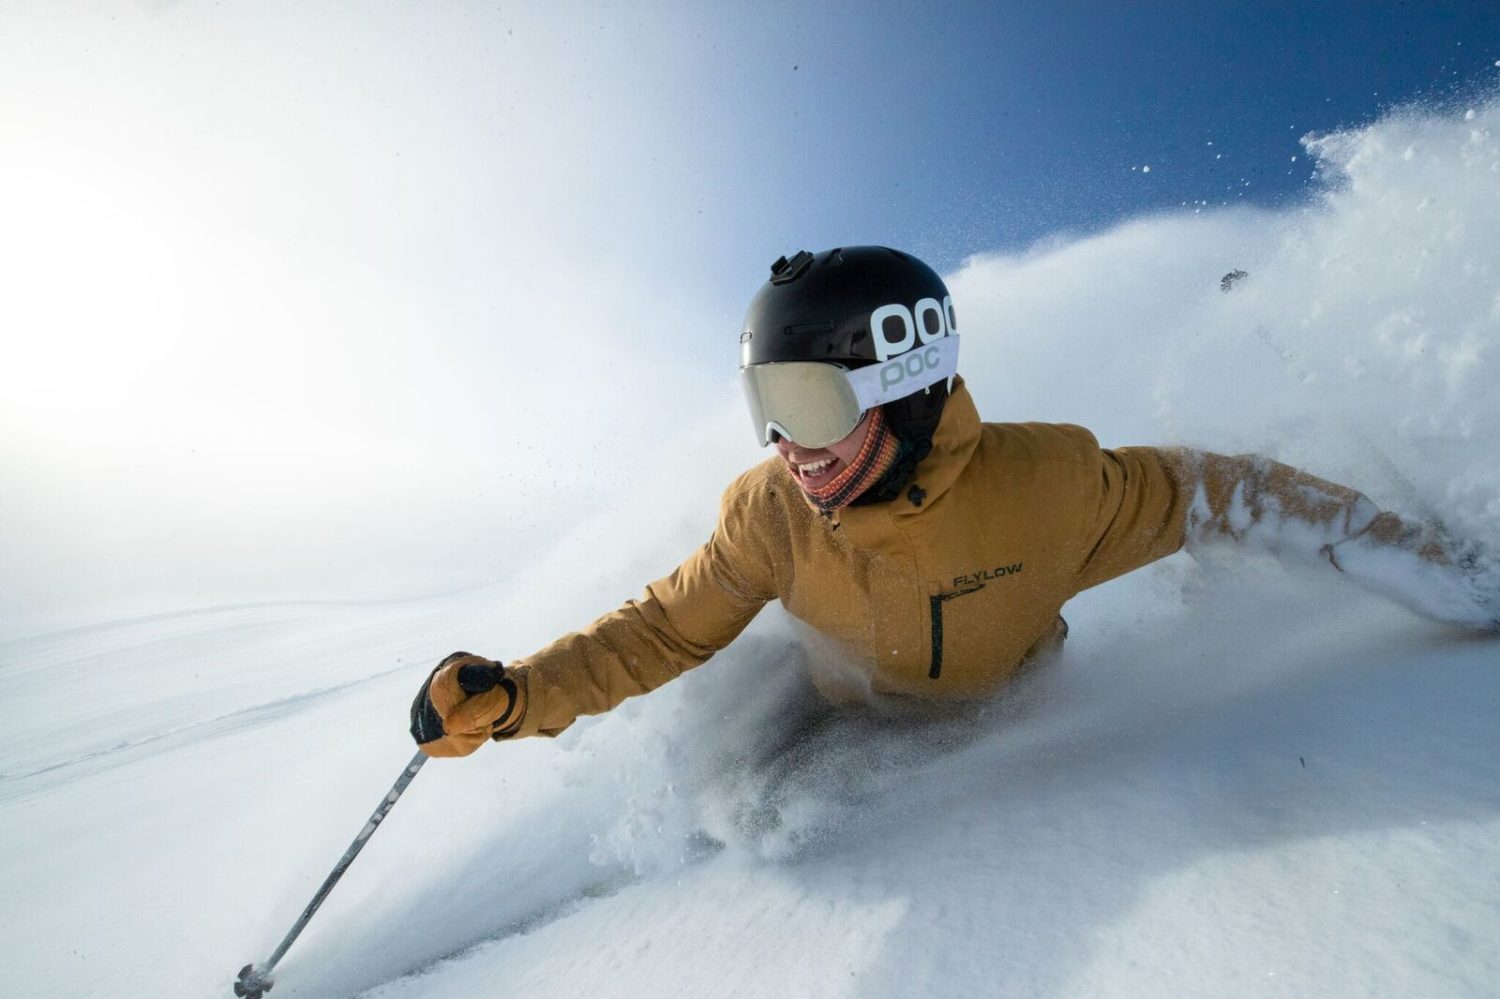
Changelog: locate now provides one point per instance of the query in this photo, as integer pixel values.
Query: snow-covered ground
(1240, 779)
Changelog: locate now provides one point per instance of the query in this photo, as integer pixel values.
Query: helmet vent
(809, 329)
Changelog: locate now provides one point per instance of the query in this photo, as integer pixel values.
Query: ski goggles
(816, 403)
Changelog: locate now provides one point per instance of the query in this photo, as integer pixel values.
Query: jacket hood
(952, 446)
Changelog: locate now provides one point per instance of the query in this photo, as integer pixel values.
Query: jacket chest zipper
(935, 604)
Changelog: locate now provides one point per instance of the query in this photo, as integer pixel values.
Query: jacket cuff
(524, 719)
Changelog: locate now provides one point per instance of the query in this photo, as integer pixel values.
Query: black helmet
(835, 333)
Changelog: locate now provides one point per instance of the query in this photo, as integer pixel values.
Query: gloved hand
(1420, 566)
(466, 700)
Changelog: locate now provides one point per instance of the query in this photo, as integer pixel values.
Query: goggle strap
(877, 384)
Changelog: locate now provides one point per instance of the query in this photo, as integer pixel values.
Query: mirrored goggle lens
(808, 402)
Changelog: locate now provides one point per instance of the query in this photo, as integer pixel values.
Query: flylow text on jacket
(943, 592)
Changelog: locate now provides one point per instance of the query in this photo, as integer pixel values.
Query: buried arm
(1302, 518)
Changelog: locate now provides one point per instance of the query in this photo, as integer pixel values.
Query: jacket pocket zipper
(935, 603)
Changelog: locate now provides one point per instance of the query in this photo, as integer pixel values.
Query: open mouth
(812, 474)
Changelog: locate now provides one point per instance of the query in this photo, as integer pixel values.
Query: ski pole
(255, 982)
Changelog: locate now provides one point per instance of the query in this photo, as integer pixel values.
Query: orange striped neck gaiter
(876, 457)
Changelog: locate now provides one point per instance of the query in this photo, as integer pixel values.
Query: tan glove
(465, 701)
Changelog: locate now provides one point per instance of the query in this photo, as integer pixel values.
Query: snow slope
(1240, 779)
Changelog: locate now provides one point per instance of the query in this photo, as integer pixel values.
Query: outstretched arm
(1145, 503)
(677, 624)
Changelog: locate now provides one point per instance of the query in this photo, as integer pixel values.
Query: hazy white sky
(300, 284)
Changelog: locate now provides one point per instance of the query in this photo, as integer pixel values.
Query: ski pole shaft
(254, 981)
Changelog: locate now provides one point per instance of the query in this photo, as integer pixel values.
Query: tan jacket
(944, 592)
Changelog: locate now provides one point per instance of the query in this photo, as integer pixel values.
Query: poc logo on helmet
(897, 329)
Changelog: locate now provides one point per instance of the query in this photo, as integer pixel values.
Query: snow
(1240, 779)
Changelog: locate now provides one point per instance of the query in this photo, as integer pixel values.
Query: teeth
(813, 468)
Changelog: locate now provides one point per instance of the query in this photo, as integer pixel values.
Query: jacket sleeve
(677, 624)
(1135, 510)
(1154, 500)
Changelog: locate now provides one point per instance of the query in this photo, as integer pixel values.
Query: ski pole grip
(477, 679)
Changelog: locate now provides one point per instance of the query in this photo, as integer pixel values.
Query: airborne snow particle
(1146, 168)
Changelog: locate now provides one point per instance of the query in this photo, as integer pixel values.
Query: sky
(300, 301)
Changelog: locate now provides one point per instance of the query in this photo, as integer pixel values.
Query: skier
(937, 551)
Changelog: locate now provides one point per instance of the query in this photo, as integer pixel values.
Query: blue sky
(946, 127)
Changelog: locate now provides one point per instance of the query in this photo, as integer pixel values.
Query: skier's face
(814, 467)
